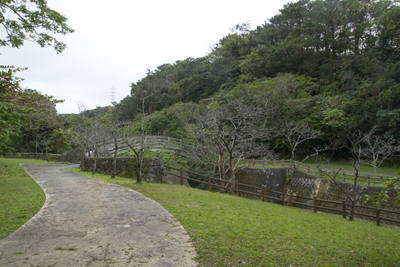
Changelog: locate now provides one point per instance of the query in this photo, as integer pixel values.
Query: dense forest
(333, 65)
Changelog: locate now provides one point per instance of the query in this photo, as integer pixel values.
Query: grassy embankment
(20, 196)
(231, 231)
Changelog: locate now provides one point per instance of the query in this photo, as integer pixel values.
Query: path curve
(89, 222)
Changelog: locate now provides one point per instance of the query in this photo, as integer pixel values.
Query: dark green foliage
(31, 20)
(334, 64)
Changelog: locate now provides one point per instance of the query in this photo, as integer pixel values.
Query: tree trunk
(114, 172)
(233, 178)
(95, 162)
(222, 169)
(351, 218)
(83, 159)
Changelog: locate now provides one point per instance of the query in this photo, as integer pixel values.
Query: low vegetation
(20, 197)
(231, 231)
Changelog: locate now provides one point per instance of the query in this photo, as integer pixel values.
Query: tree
(96, 136)
(31, 20)
(332, 176)
(297, 133)
(235, 128)
(14, 102)
(208, 147)
(355, 139)
(58, 142)
(378, 148)
(131, 131)
(381, 197)
(114, 136)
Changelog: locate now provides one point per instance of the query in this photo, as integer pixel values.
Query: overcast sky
(116, 42)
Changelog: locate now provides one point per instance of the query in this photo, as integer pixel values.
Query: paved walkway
(88, 222)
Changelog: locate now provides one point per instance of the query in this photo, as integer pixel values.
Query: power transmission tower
(112, 94)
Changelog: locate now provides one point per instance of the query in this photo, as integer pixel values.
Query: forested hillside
(332, 65)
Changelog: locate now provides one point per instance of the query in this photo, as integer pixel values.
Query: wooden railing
(226, 186)
(152, 142)
(347, 177)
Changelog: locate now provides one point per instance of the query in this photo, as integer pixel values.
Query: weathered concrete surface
(88, 222)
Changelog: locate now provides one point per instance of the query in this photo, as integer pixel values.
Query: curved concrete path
(88, 222)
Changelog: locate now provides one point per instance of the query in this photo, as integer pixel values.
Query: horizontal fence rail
(151, 142)
(347, 177)
(313, 203)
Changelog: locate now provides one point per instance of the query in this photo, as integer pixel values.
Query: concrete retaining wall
(306, 185)
(270, 178)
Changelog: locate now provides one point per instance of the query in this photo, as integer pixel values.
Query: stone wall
(153, 168)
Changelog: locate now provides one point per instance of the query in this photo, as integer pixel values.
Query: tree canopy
(329, 63)
(31, 20)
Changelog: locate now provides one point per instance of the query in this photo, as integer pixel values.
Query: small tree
(96, 136)
(378, 148)
(355, 140)
(114, 136)
(377, 199)
(296, 133)
(234, 130)
(79, 134)
(332, 176)
(132, 136)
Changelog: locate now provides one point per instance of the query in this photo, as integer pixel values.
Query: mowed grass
(231, 231)
(20, 197)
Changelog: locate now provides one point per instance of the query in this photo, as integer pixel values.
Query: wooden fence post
(290, 199)
(237, 187)
(283, 163)
(344, 209)
(274, 163)
(209, 183)
(315, 204)
(264, 163)
(263, 194)
(181, 176)
(344, 177)
(378, 219)
(368, 180)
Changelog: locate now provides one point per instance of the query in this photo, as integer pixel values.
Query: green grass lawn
(231, 231)
(390, 167)
(20, 197)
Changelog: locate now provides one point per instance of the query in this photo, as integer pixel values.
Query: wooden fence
(225, 186)
(346, 177)
(152, 142)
